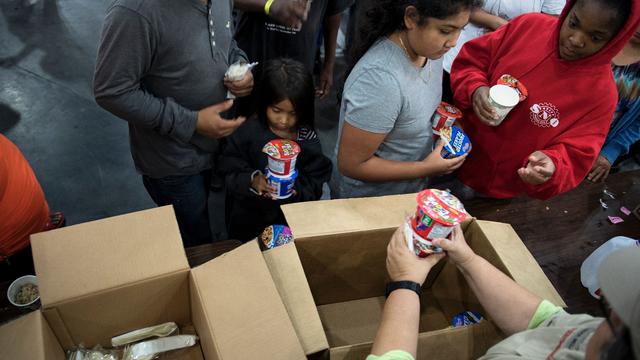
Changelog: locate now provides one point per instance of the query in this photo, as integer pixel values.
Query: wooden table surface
(563, 231)
(560, 233)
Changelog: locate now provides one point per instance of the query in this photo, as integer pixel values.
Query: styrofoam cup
(15, 286)
(503, 98)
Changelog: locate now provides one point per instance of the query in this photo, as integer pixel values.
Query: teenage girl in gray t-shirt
(385, 139)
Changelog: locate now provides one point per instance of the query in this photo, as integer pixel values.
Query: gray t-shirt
(386, 94)
(159, 62)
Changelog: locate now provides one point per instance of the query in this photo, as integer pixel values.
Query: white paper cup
(16, 285)
(503, 98)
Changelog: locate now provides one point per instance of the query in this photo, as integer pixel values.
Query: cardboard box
(324, 294)
(111, 276)
(342, 250)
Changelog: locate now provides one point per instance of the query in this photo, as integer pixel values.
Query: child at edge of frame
(285, 110)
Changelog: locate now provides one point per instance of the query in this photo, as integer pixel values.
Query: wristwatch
(409, 285)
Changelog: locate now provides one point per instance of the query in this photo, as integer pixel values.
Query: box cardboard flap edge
(347, 215)
(242, 308)
(70, 262)
(29, 337)
(291, 282)
(513, 254)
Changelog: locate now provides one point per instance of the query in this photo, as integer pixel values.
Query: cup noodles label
(516, 84)
(276, 235)
(283, 185)
(457, 143)
(281, 149)
(282, 156)
(439, 206)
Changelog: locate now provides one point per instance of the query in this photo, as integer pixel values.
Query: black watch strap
(409, 285)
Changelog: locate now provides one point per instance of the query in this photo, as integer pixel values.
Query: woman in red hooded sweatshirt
(549, 141)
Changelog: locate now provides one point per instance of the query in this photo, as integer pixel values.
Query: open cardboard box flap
(80, 260)
(239, 312)
(103, 278)
(29, 337)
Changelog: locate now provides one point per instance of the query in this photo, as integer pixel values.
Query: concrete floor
(79, 152)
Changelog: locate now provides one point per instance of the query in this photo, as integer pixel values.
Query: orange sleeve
(23, 208)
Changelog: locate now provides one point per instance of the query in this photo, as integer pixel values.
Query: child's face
(282, 116)
(586, 30)
(433, 39)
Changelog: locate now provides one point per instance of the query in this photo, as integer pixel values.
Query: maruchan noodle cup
(437, 213)
(282, 156)
(456, 142)
(503, 98)
(444, 117)
(418, 245)
(282, 185)
(516, 84)
(276, 235)
(466, 318)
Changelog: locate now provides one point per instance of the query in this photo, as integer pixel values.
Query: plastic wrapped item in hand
(236, 72)
(161, 330)
(97, 353)
(148, 350)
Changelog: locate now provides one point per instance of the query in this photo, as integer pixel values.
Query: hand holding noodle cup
(503, 98)
(437, 213)
(456, 142)
(444, 117)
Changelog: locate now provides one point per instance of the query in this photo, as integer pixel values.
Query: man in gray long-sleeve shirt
(160, 67)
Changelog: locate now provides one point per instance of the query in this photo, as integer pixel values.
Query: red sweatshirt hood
(613, 47)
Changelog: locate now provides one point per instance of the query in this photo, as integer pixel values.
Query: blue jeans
(189, 197)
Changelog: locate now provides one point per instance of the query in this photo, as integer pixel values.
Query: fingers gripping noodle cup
(283, 185)
(437, 213)
(503, 99)
(282, 156)
(456, 142)
(516, 84)
(444, 117)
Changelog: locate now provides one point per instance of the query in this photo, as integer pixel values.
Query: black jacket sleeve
(235, 164)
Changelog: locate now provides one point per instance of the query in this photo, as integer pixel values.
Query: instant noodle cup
(503, 99)
(417, 244)
(516, 84)
(282, 185)
(282, 156)
(456, 144)
(276, 235)
(444, 117)
(437, 213)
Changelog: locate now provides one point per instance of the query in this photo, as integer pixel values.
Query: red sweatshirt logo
(544, 115)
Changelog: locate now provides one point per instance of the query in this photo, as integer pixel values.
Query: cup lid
(448, 110)
(441, 206)
(516, 84)
(504, 95)
(281, 149)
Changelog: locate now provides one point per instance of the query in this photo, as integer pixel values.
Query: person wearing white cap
(536, 328)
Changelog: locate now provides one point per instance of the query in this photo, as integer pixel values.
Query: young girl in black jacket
(285, 111)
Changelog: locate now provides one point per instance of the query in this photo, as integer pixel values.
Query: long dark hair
(287, 79)
(380, 18)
